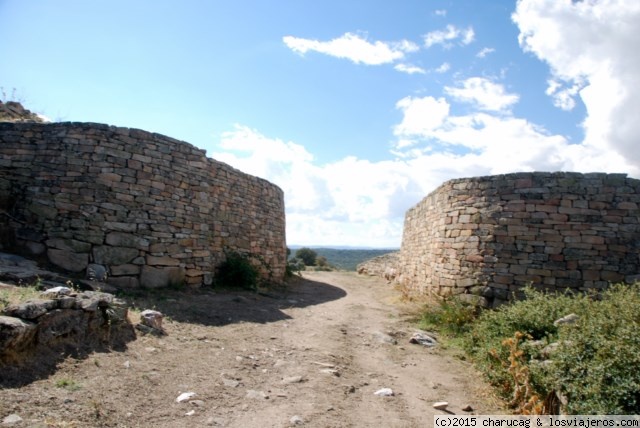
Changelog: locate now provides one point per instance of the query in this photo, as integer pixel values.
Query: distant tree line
(333, 258)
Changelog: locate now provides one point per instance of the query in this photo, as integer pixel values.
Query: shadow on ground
(206, 306)
(211, 307)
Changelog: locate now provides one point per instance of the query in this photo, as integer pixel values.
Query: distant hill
(346, 258)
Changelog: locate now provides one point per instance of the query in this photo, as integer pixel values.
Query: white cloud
(355, 48)
(421, 115)
(489, 143)
(591, 48)
(563, 97)
(483, 93)
(440, 12)
(409, 69)
(484, 52)
(448, 35)
(359, 202)
(444, 67)
(348, 202)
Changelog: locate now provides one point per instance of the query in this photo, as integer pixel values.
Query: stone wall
(150, 209)
(490, 236)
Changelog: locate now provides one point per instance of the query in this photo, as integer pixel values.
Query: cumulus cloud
(484, 52)
(448, 35)
(409, 69)
(489, 142)
(421, 115)
(354, 201)
(355, 48)
(351, 201)
(444, 67)
(591, 48)
(483, 93)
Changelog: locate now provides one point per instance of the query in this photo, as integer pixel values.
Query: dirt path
(314, 355)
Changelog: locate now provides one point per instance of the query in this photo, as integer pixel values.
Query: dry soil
(312, 355)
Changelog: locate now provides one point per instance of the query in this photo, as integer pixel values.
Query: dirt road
(313, 356)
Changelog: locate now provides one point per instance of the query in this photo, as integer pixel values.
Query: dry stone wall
(139, 208)
(487, 237)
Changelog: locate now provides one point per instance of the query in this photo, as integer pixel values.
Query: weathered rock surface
(65, 323)
(12, 111)
(384, 266)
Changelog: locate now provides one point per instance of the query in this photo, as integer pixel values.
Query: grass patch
(449, 316)
(68, 384)
(16, 295)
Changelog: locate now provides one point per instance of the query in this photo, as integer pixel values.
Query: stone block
(125, 270)
(69, 245)
(152, 277)
(15, 333)
(31, 309)
(108, 255)
(129, 240)
(162, 261)
(124, 282)
(68, 260)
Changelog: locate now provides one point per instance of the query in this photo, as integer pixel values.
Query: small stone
(152, 319)
(197, 403)
(422, 338)
(231, 383)
(384, 392)
(440, 405)
(12, 419)
(96, 272)
(566, 320)
(296, 420)
(467, 408)
(185, 396)
(57, 291)
(256, 395)
(127, 364)
(333, 372)
(279, 363)
(292, 379)
(190, 413)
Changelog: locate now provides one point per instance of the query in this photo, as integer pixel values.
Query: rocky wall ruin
(151, 210)
(487, 237)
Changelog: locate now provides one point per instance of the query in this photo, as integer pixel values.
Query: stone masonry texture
(489, 237)
(153, 210)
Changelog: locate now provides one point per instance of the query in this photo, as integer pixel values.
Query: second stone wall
(491, 236)
(150, 209)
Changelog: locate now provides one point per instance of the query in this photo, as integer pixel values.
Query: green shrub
(237, 271)
(295, 266)
(598, 371)
(595, 364)
(307, 255)
(449, 316)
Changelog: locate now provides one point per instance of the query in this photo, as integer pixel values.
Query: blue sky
(357, 109)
